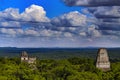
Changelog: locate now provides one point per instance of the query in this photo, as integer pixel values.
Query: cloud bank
(32, 28)
(107, 15)
(33, 13)
(92, 3)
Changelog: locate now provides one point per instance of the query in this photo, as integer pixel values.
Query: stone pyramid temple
(102, 61)
(26, 58)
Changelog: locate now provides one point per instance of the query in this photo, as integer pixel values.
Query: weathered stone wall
(26, 58)
(103, 59)
(32, 60)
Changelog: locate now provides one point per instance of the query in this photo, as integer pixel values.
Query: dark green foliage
(64, 69)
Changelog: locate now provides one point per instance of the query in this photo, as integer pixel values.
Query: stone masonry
(102, 61)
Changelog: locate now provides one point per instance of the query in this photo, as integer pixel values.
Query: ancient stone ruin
(102, 61)
(26, 58)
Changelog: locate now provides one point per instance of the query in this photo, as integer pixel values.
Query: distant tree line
(64, 69)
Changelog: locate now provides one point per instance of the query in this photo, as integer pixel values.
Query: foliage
(65, 69)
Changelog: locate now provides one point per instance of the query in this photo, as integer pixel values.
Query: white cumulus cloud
(34, 13)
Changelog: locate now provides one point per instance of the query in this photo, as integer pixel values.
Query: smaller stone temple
(102, 61)
(26, 58)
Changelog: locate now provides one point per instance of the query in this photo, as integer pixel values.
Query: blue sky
(59, 23)
(53, 8)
